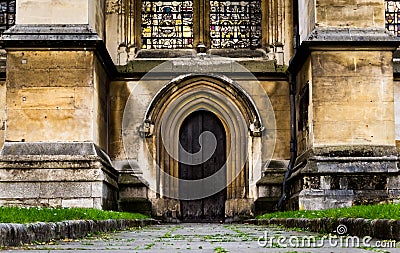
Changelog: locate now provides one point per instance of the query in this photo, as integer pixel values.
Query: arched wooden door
(212, 208)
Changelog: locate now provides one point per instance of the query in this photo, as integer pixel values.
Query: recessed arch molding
(218, 83)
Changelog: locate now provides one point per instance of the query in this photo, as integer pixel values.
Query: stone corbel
(256, 129)
(146, 129)
(126, 53)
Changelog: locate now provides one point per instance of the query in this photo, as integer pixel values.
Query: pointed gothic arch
(239, 115)
(224, 86)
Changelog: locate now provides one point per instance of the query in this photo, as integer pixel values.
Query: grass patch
(148, 246)
(36, 214)
(169, 235)
(216, 238)
(240, 234)
(220, 250)
(380, 211)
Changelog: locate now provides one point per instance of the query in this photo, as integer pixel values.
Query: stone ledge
(17, 234)
(337, 34)
(379, 228)
(56, 37)
(144, 65)
(61, 33)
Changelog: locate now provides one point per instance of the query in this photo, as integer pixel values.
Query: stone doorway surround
(172, 103)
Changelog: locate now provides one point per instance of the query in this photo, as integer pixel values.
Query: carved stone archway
(243, 126)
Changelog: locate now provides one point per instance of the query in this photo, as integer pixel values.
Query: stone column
(345, 107)
(56, 136)
(278, 16)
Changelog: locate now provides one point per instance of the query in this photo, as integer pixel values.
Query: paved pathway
(219, 238)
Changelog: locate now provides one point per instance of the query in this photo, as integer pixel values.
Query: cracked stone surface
(204, 237)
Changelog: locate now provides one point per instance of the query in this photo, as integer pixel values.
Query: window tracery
(7, 15)
(229, 24)
(235, 24)
(392, 17)
(167, 24)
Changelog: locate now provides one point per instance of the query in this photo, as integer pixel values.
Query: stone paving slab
(203, 237)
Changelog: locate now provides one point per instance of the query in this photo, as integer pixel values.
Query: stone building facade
(100, 99)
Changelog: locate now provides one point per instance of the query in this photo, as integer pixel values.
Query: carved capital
(146, 129)
(256, 129)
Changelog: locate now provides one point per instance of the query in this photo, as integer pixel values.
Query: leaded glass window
(235, 24)
(7, 15)
(167, 24)
(392, 14)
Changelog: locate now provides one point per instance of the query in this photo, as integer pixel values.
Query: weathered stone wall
(304, 116)
(352, 96)
(56, 128)
(348, 133)
(306, 11)
(30, 189)
(288, 32)
(50, 96)
(56, 175)
(397, 108)
(350, 13)
(113, 35)
(3, 114)
(96, 16)
(52, 12)
(101, 105)
(333, 13)
(119, 94)
(91, 12)
(278, 93)
(144, 92)
(56, 96)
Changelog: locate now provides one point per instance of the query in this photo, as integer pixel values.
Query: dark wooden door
(212, 208)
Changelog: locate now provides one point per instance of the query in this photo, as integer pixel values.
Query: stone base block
(133, 192)
(57, 175)
(333, 177)
(239, 209)
(170, 209)
(166, 209)
(265, 205)
(130, 186)
(325, 199)
(135, 205)
(270, 187)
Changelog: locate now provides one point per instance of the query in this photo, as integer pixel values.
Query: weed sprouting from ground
(220, 250)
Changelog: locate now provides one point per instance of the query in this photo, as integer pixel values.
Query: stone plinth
(345, 176)
(57, 175)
